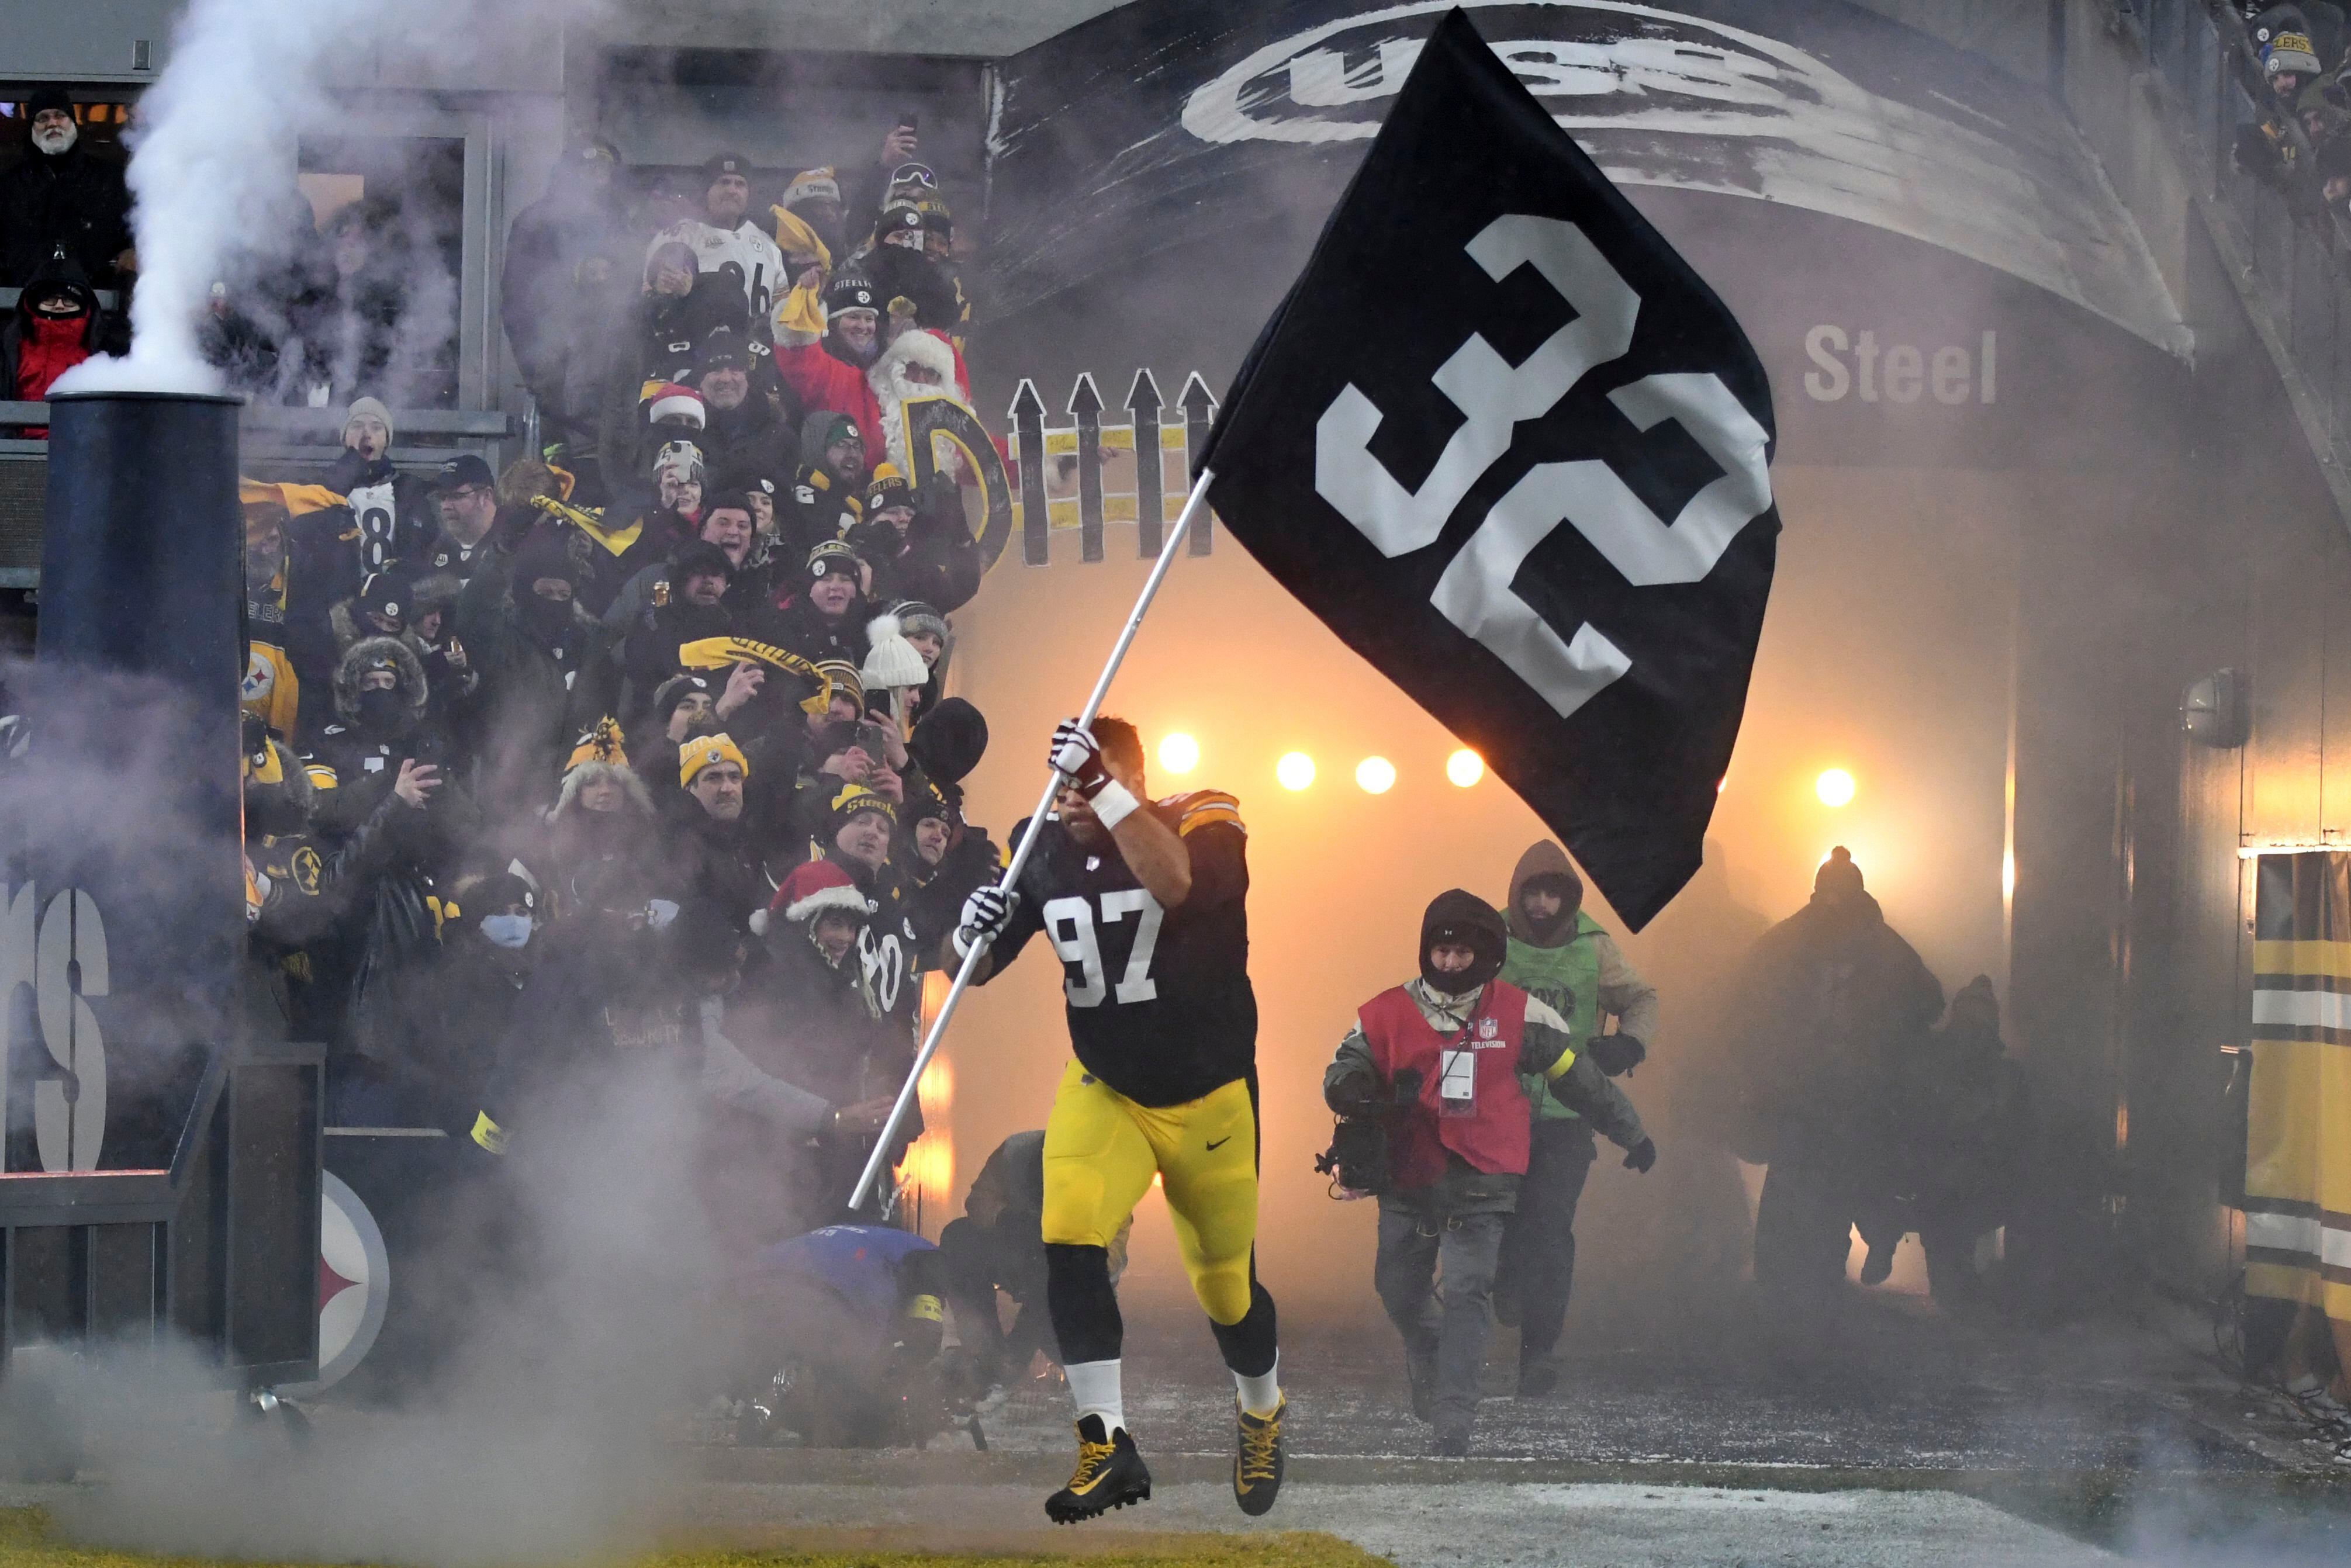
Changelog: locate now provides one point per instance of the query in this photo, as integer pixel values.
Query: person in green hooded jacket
(1559, 955)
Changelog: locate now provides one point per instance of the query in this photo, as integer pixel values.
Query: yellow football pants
(1102, 1150)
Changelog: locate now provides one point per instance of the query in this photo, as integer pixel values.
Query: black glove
(1077, 756)
(1617, 1054)
(1359, 1094)
(1641, 1156)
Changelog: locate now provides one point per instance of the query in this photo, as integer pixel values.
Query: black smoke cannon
(162, 1170)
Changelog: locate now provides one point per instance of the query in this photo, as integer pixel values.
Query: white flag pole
(1193, 505)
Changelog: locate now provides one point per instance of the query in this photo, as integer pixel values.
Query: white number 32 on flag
(1475, 591)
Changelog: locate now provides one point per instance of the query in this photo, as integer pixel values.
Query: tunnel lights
(1464, 767)
(1376, 775)
(1179, 753)
(1834, 787)
(1295, 770)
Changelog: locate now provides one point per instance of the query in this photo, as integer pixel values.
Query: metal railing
(274, 444)
(107, 298)
(2292, 254)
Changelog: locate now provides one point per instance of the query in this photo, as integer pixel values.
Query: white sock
(1261, 1395)
(1094, 1388)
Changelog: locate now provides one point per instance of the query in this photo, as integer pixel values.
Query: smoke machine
(162, 1170)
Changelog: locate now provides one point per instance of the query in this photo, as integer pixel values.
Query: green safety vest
(1568, 979)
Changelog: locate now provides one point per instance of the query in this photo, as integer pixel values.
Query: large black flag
(1506, 443)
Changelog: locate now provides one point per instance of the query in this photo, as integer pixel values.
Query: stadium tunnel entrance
(1996, 463)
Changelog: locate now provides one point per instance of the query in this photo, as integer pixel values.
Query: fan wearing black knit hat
(909, 242)
(380, 608)
(687, 606)
(830, 373)
(58, 193)
(724, 240)
(918, 542)
(823, 616)
(546, 676)
(743, 425)
(487, 954)
(941, 860)
(771, 559)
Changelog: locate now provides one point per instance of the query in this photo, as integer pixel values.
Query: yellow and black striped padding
(2298, 1143)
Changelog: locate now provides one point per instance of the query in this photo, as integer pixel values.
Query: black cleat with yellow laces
(1110, 1474)
(1257, 1468)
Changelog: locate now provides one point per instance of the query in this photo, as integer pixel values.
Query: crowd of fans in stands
(2304, 49)
(641, 744)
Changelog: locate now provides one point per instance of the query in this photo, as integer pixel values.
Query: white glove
(985, 913)
(1077, 756)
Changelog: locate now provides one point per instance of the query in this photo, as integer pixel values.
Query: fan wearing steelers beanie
(1146, 903)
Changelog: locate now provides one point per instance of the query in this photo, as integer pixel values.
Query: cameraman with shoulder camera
(1437, 1060)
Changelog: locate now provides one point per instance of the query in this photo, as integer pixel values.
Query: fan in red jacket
(56, 327)
(840, 371)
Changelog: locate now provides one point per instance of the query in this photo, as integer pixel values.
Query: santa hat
(670, 401)
(813, 887)
(891, 661)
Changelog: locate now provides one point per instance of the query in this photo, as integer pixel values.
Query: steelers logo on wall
(354, 1286)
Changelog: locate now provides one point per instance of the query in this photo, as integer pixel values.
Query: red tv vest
(1494, 1139)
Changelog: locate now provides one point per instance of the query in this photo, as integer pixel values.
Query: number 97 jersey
(1159, 1000)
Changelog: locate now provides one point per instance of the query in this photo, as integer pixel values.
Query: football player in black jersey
(1143, 901)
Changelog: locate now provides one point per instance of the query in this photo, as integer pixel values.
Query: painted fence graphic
(1089, 474)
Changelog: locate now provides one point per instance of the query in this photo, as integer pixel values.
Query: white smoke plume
(586, 1325)
(214, 146)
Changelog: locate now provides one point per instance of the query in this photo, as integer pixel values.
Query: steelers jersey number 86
(1129, 914)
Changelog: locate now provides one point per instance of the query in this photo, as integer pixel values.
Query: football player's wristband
(1113, 804)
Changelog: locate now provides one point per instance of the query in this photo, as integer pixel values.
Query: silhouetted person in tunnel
(1832, 993)
(1959, 1120)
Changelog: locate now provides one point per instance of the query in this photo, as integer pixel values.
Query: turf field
(26, 1541)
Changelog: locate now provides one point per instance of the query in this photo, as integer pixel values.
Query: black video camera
(1357, 1160)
